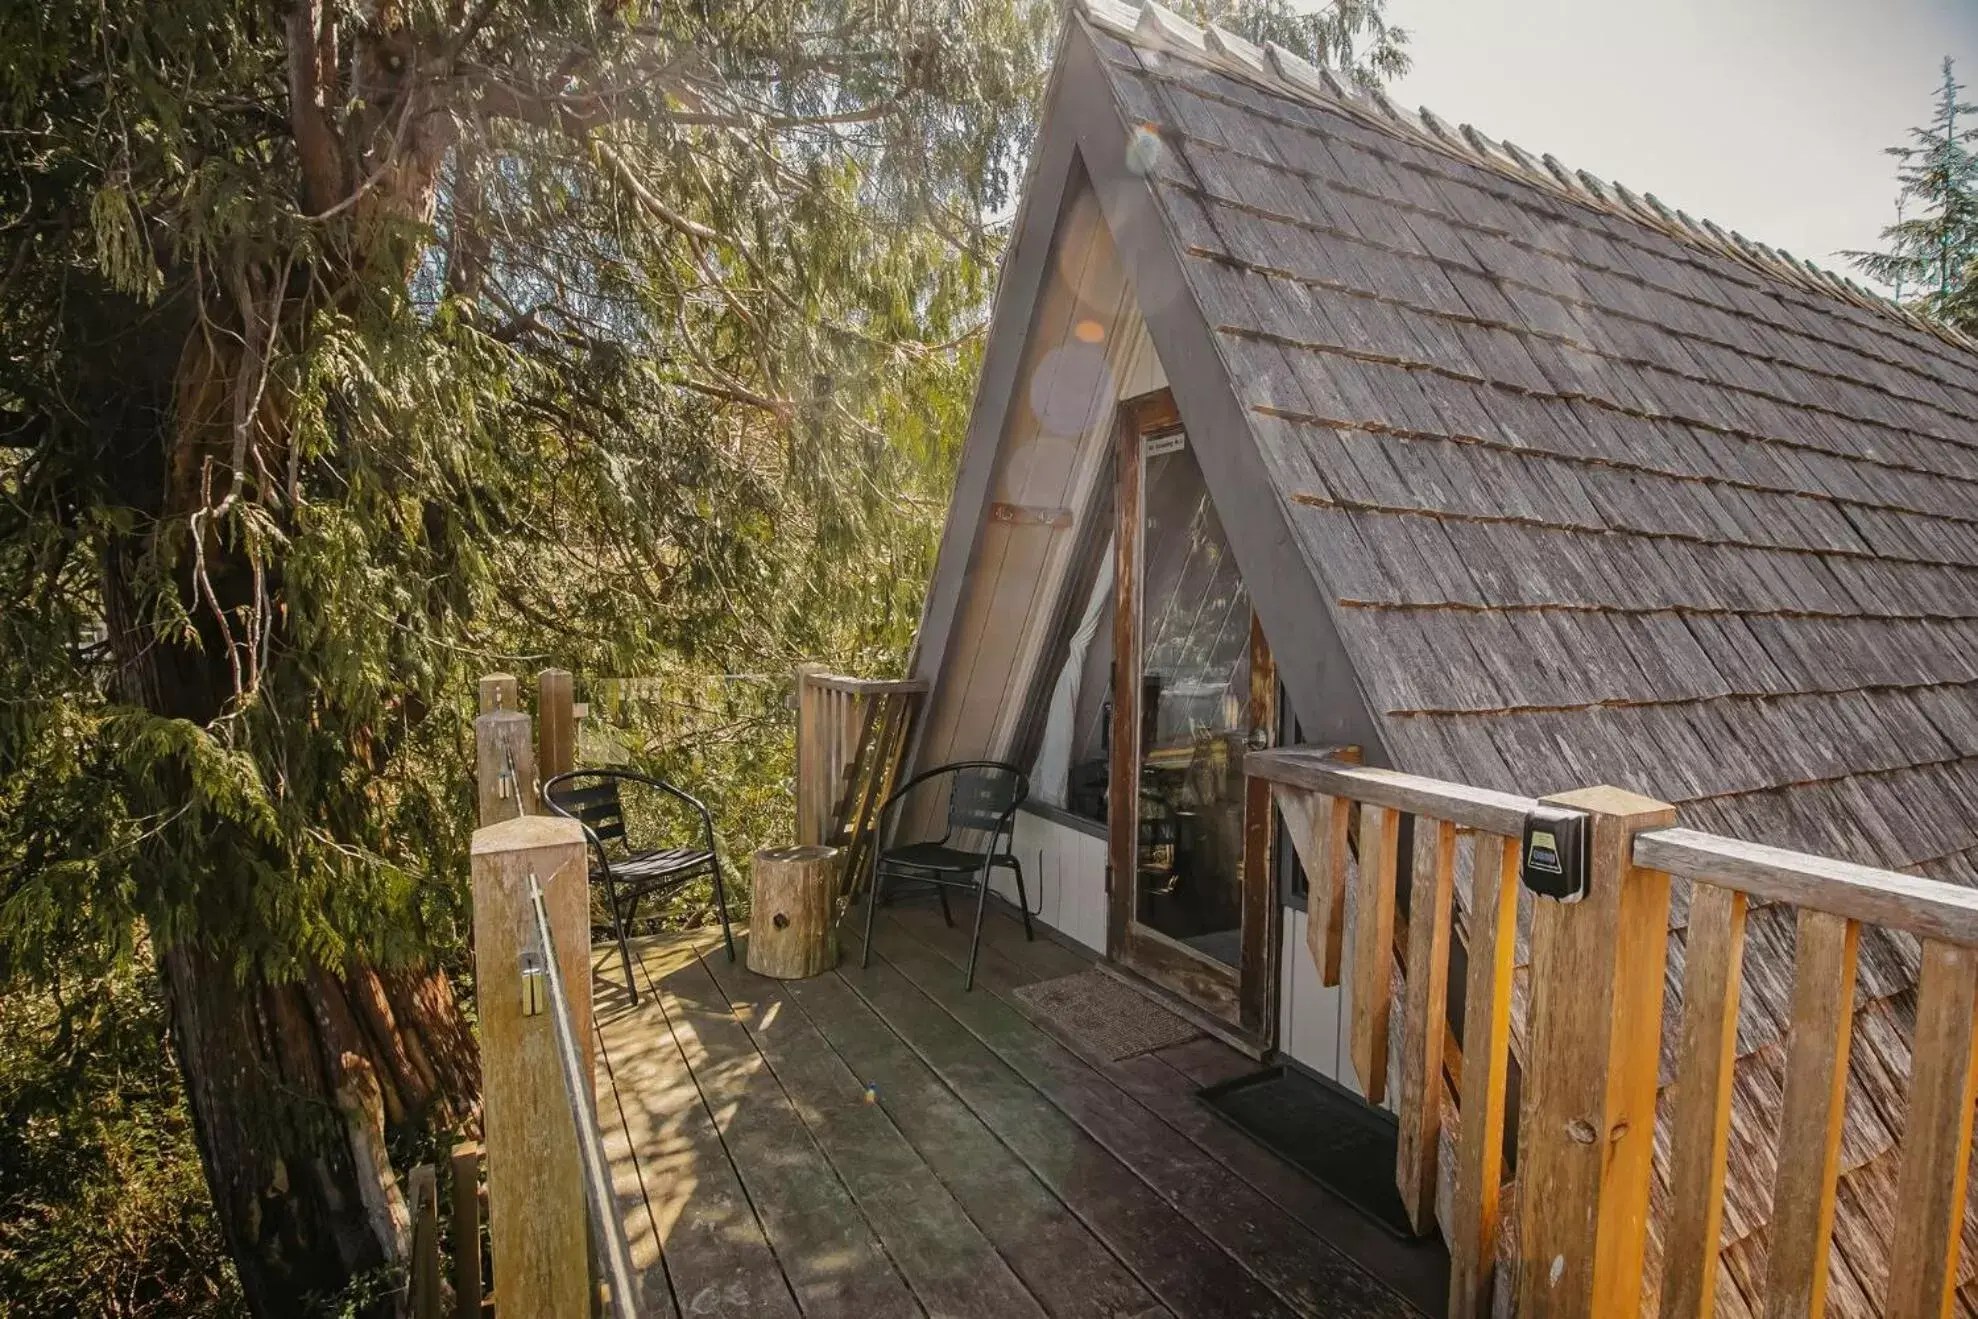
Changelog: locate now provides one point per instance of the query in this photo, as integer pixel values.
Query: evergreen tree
(1933, 246)
(349, 350)
(1350, 36)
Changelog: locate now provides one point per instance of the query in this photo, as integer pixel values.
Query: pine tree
(1933, 246)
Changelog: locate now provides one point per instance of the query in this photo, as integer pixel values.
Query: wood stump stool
(792, 922)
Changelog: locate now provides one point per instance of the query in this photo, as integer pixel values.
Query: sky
(1767, 116)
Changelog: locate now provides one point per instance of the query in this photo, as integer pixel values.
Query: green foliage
(677, 392)
(103, 1213)
(1932, 250)
(633, 339)
(1351, 36)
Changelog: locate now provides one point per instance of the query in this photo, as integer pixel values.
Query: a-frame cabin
(1304, 419)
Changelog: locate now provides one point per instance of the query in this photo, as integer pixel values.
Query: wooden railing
(1833, 900)
(428, 1268)
(536, 1044)
(1592, 1025)
(1317, 795)
(852, 738)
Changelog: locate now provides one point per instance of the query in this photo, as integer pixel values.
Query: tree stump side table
(792, 919)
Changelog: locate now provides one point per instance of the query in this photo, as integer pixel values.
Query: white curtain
(1047, 779)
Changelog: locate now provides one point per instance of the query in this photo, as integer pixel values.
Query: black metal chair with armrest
(591, 797)
(983, 798)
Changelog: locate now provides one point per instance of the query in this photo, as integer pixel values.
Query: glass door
(1191, 875)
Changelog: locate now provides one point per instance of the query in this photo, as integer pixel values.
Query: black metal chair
(590, 797)
(983, 797)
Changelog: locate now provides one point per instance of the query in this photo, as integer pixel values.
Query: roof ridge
(1284, 72)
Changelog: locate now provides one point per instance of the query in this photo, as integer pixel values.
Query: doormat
(1331, 1136)
(1106, 1015)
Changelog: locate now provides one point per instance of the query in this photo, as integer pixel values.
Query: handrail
(838, 682)
(608, 1230)
(1594, 1021)
(1927, 908)
(852, 740)
(1318, 769)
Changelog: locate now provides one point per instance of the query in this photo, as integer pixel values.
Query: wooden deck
(878, 1143)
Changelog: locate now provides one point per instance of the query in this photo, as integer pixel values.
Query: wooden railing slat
(466, 1229)
(1701, 1102)
(1317, 826)
(1486, 1066)
(1810, 1114)
(424, 1280)
(1326, 939)
(869, 782)
(1424, 1023)
(810, 756)
(1936, 1142)
(1373, 948)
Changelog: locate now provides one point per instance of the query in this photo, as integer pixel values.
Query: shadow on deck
(877, 1143)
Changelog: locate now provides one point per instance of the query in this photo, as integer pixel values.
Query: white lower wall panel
(1315, 1024)
(1064, 870)
(1310, 1016)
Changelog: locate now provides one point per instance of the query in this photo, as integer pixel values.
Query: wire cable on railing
(614, 1255)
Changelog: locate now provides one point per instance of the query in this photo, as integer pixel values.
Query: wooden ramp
(877, 1143)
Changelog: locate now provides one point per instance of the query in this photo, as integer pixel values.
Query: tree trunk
(292, 1088)
(296, 1086)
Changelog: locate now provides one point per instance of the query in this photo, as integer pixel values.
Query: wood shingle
(1601, 494)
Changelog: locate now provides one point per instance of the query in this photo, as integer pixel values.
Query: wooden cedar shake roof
(1594, 493)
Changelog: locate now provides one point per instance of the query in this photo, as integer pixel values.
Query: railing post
(500, 691)
(810, 757)
(1587, 1130)
(425, 1271)
(536, 1212)
(504, 766)
(556, 723)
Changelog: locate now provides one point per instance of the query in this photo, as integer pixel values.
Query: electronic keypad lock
(1555, 860)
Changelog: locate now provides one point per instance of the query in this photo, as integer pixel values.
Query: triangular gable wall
(1092, 257)
(1048, 494)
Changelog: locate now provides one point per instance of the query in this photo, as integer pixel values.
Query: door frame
(1245, 997)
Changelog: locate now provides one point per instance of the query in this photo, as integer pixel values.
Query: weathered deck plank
(680, 1192)
(1278, 1252)
(834, 1264)
(1418, 1271)
(951, 1267)
(1070, 1272)
(997, 1168)
(1008, 960)
(1177, 1262)
(623, 1142)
